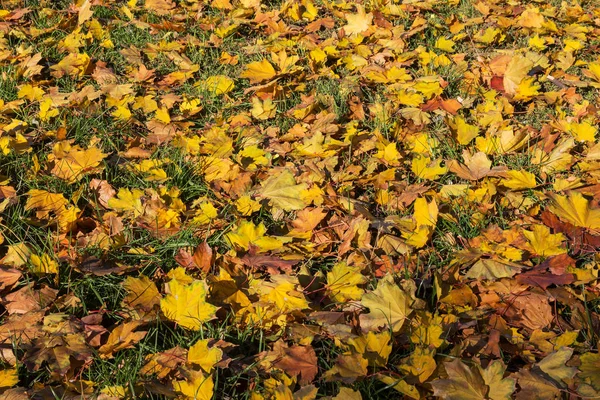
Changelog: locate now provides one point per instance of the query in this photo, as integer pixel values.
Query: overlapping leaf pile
(297, 199)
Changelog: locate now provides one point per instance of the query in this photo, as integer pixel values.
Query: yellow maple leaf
(282, 191)
(531, 18)
(224, 30)
(200, 354)
(43, 264)
(424, 144)
(572, 45)
(583, 132)
(527, 89)
(151, 170)
(179, 274)
(420, 364)
(128, 201)
(206, 213)
(122, 337)
(316, 145)
(558, 159)
(389, 153)
(141, 293)
(445, 44)
(425, 214)
(424, 168)
(388, 305)
(374, 347)
(575, 209)
(8, 378)
(246, 205)
(409, 98)
(118, 391)
(349, 366)
(419, 237)
(186, 304)
(318, 56)
(489, 36)
(281, 292)
(492, 269)
(399, 385)
(44, 202)
(47, 109)
(197, 386)
(464, 132)
(343, 281)
(247, 233)
(30, 92)
(427, 328)
(428, 86)
(122, 112)
(263, 110)
(518, 180)
(516, 70)
(218, 84)
(217, 168)
(162, 115)
(359, 22)
(85, 12)
(594, 70)
(590, 368)
(555, 366)
(543, 243)
(16, 255)
(259, 71)
(251, 157)
(537, 43)
(146, 103)
(74, 64)
(73, 165)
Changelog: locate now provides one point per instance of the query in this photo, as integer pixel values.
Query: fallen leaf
(186, 304)
(298, 361)
(463, 383)
(120, 338)
(283, 192)
(389, 306)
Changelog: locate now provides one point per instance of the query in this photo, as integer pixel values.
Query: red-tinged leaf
(163, 363)
(202, 258)
(17, 14)
(273, 264)
(94, 331)
(325, 23)
(103, 190)
(558, 264)
(299, 361)
(582, 241)
(497, 83)
(450, 106)
(550, 272)
(8, 277)
(543, 278)
(8, 192)
(185, 259)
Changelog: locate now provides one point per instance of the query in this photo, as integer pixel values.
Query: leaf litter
(299, 199)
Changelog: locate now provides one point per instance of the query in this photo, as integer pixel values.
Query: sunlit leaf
(186, 305)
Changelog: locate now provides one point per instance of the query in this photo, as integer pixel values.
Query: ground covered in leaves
(299, 199)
